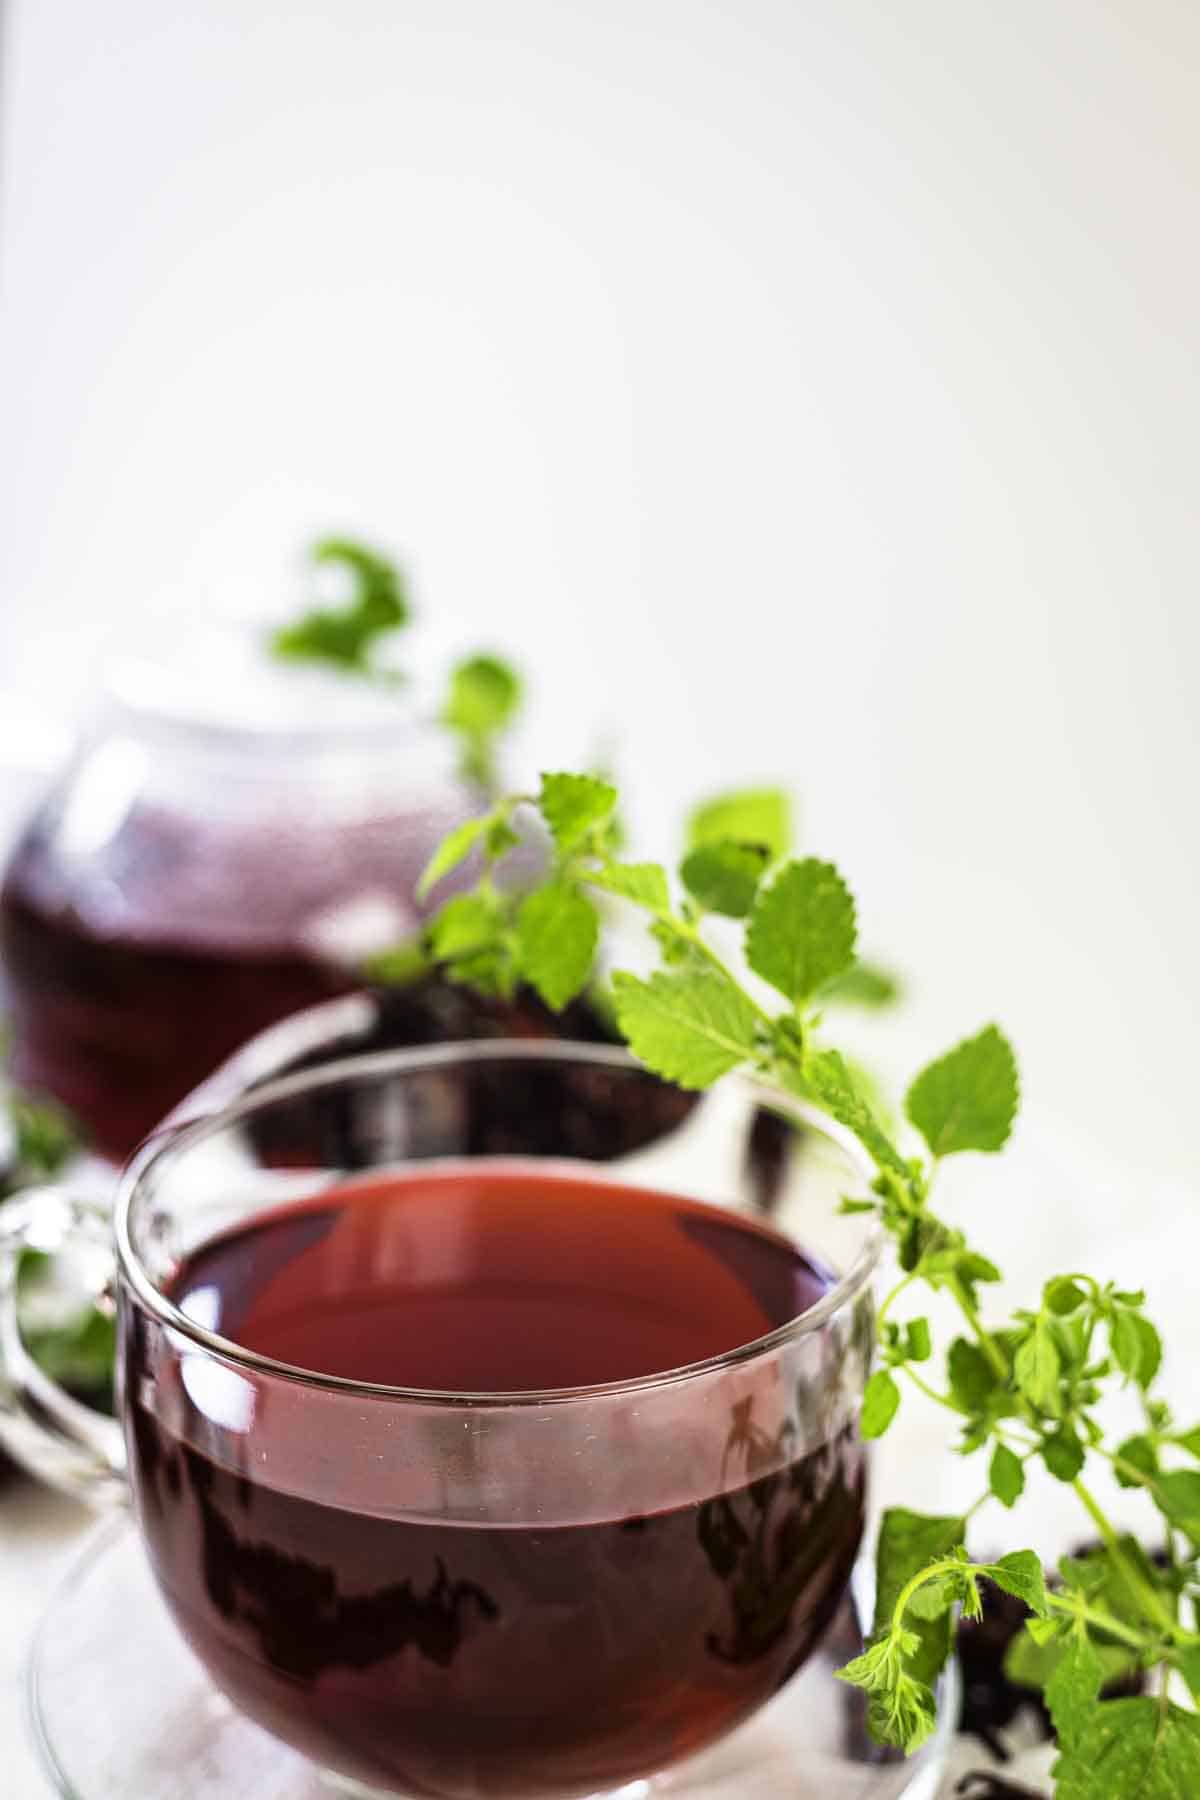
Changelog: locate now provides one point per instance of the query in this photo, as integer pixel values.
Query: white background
(804, 390)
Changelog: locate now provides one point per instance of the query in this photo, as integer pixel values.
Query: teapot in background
(221, 846)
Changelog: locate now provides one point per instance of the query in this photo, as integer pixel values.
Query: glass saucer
(121, 1710)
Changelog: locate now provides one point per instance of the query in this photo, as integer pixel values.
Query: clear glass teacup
(482, 1439)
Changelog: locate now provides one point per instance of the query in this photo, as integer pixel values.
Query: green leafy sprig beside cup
(1028, 1389)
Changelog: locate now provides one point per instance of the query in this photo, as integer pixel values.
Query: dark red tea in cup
(562, 1643)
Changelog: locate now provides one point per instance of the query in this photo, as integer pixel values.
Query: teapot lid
(218, 681)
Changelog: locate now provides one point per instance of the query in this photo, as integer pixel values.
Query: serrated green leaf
(484, 694)
(748, 816)
(1074, 1688)
(1006, 1475)
(881, 1402)
(1152, 1352)
(690, 1026)
(1126, 1343)
(1177, 1495)
(345, 636)
(1063, 1454)
(1132, 1750)
(828, 1080)
(399, 966)
(1140, 1454)
(972, 1378)
(1035, 1654)
(1189, 1441)
(454, 848)
(573, 805)
(1037, 1368)
(557, 933)
(802, 930)
(904, 1716)
(1020, 1573)
(645, 884)
(909, 1542)
(724, 877)
(967, 1099)
(465, 923)
(1063, 1295)
(1187, 1660)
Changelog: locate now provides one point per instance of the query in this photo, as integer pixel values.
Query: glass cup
(542, 1593)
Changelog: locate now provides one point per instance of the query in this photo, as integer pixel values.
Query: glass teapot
(223, 845)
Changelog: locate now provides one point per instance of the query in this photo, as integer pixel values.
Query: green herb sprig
(1023, 1391)
(483, 692)
(348, 636)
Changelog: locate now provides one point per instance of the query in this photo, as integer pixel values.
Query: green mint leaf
(645, 884)
(484, 695)
(802, 930)
(724, 878)
(557, 934)
(829, 1082)
(454, 848)
(1006, 1475)
(399, 966)
(1038, 1367)
(44, 1138)
(1021, 1574)
(483, 698)
(972, 1378)
(345, 636)
(573, 806)
(1177, 1495)
(1062, 1295)
(918, 1341)
(1132, 1750)
(1187, 1661)
(490, 970)
(909, 1542)
(1063, 1454)
(79, 1354)
(465, 923)
(1035, 1654)
(1073, 1689)
(863, 984)
(967, 1100)
(499, 839)
(749, 816)
(1189, 1441)
(1126, 1342)
(1140, 1454)
(690, 1026)
(881, 1402)
(1152, 1353)
(905, 1715)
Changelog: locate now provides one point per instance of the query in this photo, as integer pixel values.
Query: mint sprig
(1026, 1390)
(483, 692)
(483, 698)
(347, 636)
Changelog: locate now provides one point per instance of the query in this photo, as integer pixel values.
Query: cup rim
(174, 1140)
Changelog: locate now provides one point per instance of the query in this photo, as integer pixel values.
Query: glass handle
(57, 1437)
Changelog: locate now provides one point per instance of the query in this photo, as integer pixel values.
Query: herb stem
(893, 1296)
(1145, 1595)
(931, 1393)
(1090, 1615)
(983, 1337)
